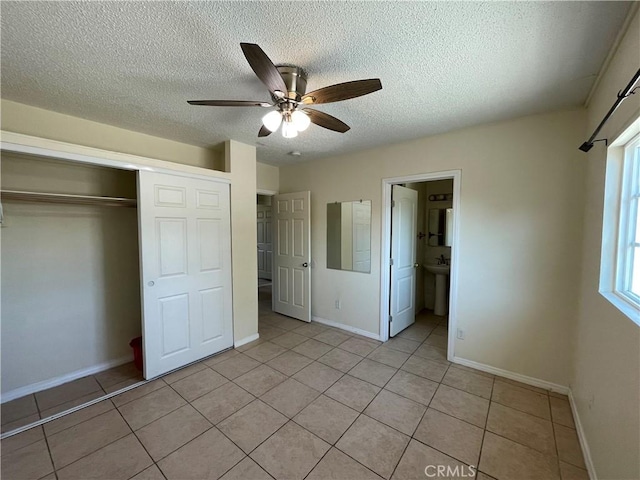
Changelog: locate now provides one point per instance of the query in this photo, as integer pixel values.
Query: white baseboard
(518, 377)
(245, 340)
(588, 461)
(69, 377)
(348, 328)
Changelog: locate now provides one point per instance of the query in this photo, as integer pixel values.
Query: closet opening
(421, 224)
(70, 285)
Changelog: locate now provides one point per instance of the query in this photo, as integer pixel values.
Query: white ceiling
(443, 65)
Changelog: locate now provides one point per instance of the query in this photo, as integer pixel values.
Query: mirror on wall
(349, 236)
(440, 227)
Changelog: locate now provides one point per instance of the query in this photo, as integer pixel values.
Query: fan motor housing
(295, 78)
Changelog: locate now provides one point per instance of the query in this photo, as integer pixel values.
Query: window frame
(621, 203)
(629, 198)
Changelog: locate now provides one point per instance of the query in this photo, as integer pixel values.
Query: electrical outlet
(338, 304)
(460, 334)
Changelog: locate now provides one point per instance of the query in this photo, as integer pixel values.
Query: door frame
(268, 193)
(385, 249)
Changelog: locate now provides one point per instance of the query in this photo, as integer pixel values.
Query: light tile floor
(308, 401)
(31, 408)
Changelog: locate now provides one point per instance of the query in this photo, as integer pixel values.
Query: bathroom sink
(438, 269)
(442, 273)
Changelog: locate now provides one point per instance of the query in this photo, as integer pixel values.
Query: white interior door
(292, 255)
(185, 251)
(404, 221)
(265, 249)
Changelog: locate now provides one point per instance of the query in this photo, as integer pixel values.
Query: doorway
(420, 214)
(265, 251)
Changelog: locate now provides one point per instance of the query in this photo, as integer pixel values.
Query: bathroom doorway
(420, 224)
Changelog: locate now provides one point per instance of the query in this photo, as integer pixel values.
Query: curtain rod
(622, 94)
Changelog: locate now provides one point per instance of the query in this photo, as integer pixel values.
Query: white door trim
(385, 223)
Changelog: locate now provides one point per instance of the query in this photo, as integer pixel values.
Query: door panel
(211, 302)
(283, 236)
(361, 237)
(185, 250)
(174, 313)
(264, 242)
(172, 246)
(404, 220)
(292, 239)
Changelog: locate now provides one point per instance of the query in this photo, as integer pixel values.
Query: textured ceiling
(443, 65)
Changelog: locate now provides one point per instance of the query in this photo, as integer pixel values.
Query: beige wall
(606, 380)
(241, 162)
(520, 235)
(268, 177)
(28, 120)
(70, 277)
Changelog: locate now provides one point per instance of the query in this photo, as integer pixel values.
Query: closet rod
(66, 198)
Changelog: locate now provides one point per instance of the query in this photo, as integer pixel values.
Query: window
(628, 278)
(620, 267)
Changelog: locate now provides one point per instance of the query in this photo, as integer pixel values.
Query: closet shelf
(40, 197)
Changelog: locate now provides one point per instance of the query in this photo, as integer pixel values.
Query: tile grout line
(46, 441)
(486, 424)
(91, 453)
(153, 462)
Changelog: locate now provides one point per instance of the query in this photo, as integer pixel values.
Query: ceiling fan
(287, 85)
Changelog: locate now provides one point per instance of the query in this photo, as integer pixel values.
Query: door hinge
(390, 319)
(391, 261)
(393, 203)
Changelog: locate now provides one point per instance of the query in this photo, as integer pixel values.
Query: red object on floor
(136, 344)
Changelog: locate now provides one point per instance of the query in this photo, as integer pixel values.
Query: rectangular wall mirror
(349, 236)
(440, 227)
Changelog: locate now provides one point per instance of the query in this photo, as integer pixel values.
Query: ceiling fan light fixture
(289, 130)
(300, 120)
(272, 120)
(287, 85)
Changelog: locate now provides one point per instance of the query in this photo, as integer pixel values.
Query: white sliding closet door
(185, 251)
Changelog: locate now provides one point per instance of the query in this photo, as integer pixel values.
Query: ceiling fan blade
(342, 91)
(327, 121)
(264, 132)
(263, 67)
(229, 103)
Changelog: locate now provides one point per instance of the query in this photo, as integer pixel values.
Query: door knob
(416, 265)
(305, 264)
(151, 283)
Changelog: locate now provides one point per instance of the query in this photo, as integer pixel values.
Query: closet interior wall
(70, 273)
